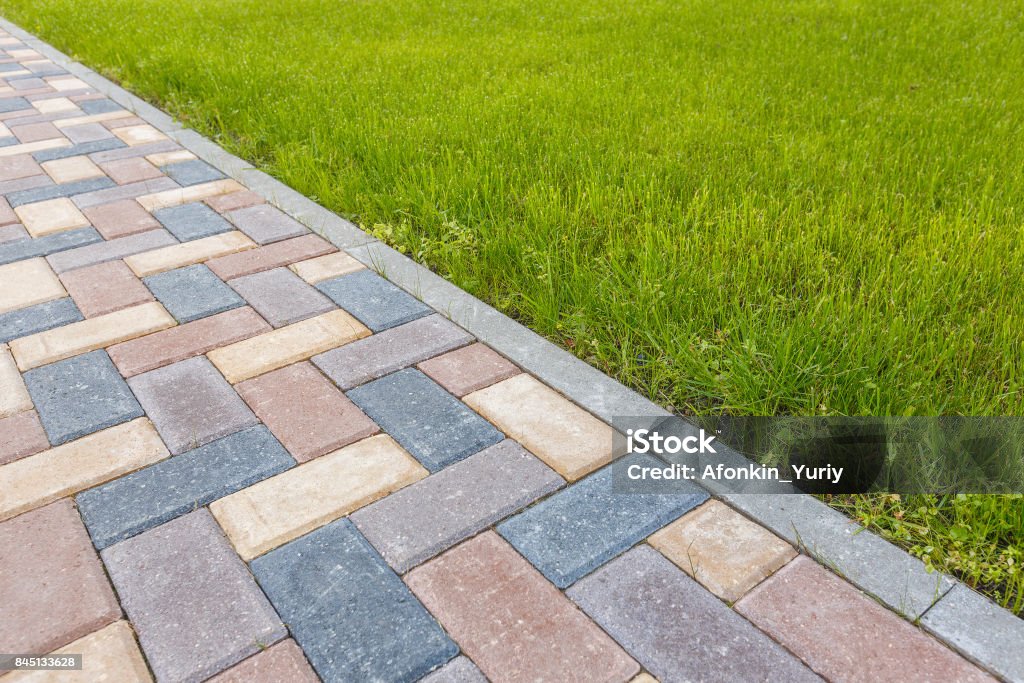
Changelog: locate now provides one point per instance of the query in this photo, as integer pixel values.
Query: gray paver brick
(12, 103)
(376, 302)
(415, 523)
(281, 296)
(41, 194)
(434, 426)
(159, 493)
(191, 293)
(192, 172)
(192, 221)
(675, 628)
(50, 244)
(86, 132)
(99, 106)
(379, 354)
(351, 614)
(127, 191)
(459, 670)
(10, 233)
(265, 223)
(194, 606)
(32, 319)
(80, 395)
(77, 150)
(126, 152)
(190, 403)
(27, 183)
(575, 531)
(109, 250)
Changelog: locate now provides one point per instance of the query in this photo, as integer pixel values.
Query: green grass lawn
(789, 207)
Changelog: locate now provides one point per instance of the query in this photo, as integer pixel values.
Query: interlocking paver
(34, 132)
(430, 516)
(184, 341)
(726, 552)
(11, 186)
(100, 105)
(459, 670)
(75, 189)
(573, 532)
(194, 605)
(14, 396)
(675, 628)
(164, 158)
(123, 151)
(10, 233)
(52, 583)
(332, 588)
(314, 270)
(72, 169)
(192, 221)
(21, 435)
(192, 172)
(27, 283)
(515, 625)
(79, 396)
(54, 215)
(110, 250)
(193, 193)
(168, 489)
(105, 288)
(13, 103)
(270, 256)
(120, 219)
(54, 105)
(51, 244)
(466, 370)
(109, 654)
(190, 403)
(390, 350)
(34, 319)
(62, 148)
(377, 303)
(305, 411)
(21, 166)
(115, 193)
(265, 223)
(286, 506)
(65, 470)
(557, 431)
(187, 254)
(43, 150)
(192, 292)
(86, 132)
(280, 296)
(428, 421)
(130, 170)
(286, 345)
(845, 635)
(235, 200)
(139, 135)
(88, 335)
(281, 662)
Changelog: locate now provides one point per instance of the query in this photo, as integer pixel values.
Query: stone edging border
(967, 621)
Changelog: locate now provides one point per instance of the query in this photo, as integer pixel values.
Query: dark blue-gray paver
(459, 670)
(575, 531)
(109, 250)
(49, 244)
(379, 354)
(46, 316)
(13, 103)
(192, 221)
(27, 83)
(192, 172)
(77, 150)
(86, 132)
(99, 106)
(159, 493)
(281, 296)
(193, 292)
(8, 140)
(352, 615)
(79, 396)
(41, 194)
(11, 66)
(415, 523)
(377, 303)
(193, 604)
(44, 69)
(675, 628)
(434, 426)
(265, 223)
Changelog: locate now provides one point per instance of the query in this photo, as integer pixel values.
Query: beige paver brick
(39, 479)
(164, 158)
(188, 253)
(88, 335)
(54, 105)
(295, 502)
(71, 169)
(27, 283)
(139, 135)
(644, 678)
(722, 549)
(286, 345)
(53, 215)
(570, 440)
(110, 655)
(193, 193)
(92, 118)
(29, 147)
(322, 268)
(14, 396)
(67, 83)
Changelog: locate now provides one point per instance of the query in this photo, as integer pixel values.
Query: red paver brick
(18, 166)
(131, 170)
(33, 132)
(184, 341)
(234, 200)
(844, 635)
(305, 411)
(120, 219)
(21, 434)
(7, 215)
(512, 622)
(111, 124)
(465, 370)
(105, 288)
(282, 662)
(53, 586)
(270, 256)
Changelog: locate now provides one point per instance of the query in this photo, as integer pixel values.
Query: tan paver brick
(105, 288)
(91, 118)
(20, 166)
(234, 200)
(468, 369)
(193, 193)
(130, 170)
(53, 215)
(269, 256)
(54, 105)
(21, 435)
(110, 655)
(726, 552)
(62, 471)
(67, 83)
(29, 147)
(14, 396)
(71, 169)
(188, 253)
(120, 218)
(164, 158)
(286, 345)
(139, 135)
(88, 335)
(513, 623)
(322, 268)
(570, 440)
(27, 283)
(281, 662)
(295, 502)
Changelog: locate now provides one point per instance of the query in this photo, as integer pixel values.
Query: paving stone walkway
(229, 451)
